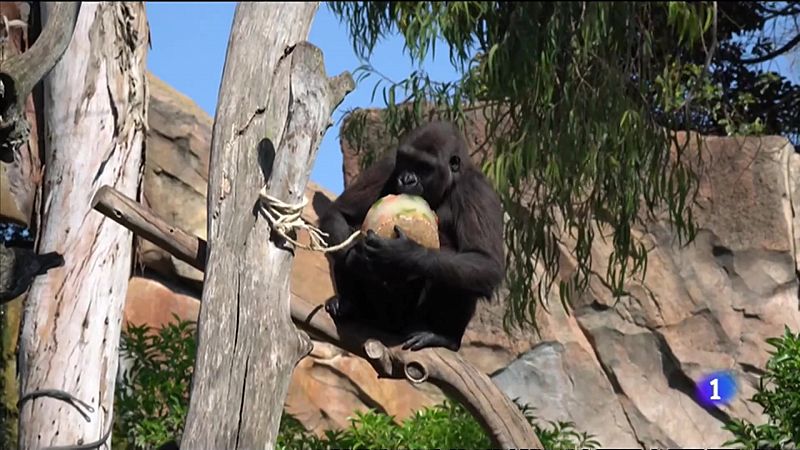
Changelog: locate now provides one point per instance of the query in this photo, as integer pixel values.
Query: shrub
(778, 394)
(447, 425)
(152, 399)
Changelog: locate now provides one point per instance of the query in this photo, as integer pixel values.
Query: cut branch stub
(123, 210)
(20, 73)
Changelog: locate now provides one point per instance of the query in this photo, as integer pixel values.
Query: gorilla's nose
(408, 179)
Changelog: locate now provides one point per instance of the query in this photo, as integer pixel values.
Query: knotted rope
(284, 218)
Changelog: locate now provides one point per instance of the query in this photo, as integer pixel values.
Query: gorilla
(428, 296)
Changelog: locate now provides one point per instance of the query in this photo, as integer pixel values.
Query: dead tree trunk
(95, 102)
(275, 104)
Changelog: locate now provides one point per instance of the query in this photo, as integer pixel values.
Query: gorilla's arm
(342, 218)
(347, 213)
(477, 264)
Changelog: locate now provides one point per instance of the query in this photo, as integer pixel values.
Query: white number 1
(715, 394)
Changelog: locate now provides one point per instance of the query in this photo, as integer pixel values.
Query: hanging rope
(284, 218)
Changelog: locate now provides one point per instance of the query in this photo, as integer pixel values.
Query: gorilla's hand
(357, 261)
(400, 253)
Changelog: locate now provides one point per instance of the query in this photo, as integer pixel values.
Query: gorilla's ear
(455, 163)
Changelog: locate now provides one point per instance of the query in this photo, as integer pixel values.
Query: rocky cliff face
(623, 371)
(627, 371)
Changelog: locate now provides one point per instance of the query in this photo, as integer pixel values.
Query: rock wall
(705, 307)
(624, 371)
(176, 174)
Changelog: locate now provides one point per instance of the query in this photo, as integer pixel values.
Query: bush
(152, 400)
(447, 425)
(779, 395)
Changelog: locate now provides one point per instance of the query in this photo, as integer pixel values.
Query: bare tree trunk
(275, 104)
(95, 118)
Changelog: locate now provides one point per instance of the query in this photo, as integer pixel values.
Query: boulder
(152, 303)
(177, 149)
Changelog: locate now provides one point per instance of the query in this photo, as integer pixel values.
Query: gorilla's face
(429, 161)
(424, 171)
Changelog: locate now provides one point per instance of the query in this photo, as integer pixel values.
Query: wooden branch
(497, 414)
(791, 43)
(500, 418)
(123, 210)
(26, 69)
(20, 73)
(21, 181)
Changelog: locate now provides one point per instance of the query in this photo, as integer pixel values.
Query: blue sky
(189, 40)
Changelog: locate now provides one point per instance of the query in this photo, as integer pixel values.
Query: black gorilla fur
(396, 285)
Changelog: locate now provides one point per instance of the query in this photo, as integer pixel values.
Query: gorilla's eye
(455, 163)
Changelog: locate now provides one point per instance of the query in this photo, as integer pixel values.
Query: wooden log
(275, 105)
(95, 115)
(122, 209)
(500, 418)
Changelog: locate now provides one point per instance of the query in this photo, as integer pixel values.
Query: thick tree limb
(501, 419)
(275, 105)
(20, 73)
(496, 413)
(26, 69)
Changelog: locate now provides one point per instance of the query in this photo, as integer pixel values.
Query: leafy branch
(579, 101)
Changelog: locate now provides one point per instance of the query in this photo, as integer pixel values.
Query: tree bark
(274, 106)
(95, 118)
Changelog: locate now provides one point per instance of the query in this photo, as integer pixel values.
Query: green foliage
(566, 88)
(579, 100)
(779, 396)
(153, 397)
(9, 415)
(447, 425)
(744, 96)
(559, 434)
